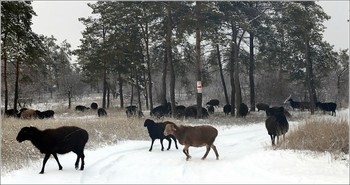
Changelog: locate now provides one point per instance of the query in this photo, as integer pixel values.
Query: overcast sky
(60, 19)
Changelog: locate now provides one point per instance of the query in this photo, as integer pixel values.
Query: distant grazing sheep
(93, 106)
(81, 108)
(161, 110)
(57, 141)
(28, 114)
(156, 131)
(262, 106)
(276, 124)
(243, 110)
(211, 109)
(191, 111)
(196, 136)
(132, 110)
(330, 106)
(101, 112)
(227, 109)
(45, 114)
(213, 102)
(298, 105)
(180, 111)
(11, 113)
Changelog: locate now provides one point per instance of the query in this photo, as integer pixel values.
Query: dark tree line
(259, 51)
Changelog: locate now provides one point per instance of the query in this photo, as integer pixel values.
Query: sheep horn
(285, 101)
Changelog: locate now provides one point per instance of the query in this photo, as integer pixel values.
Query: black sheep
(262, 106)
(191, 111)
(276, 124)
(93, 106)
(45, 114)
(276, 110)
(211, 109)
(213, 102)
(180, 111)
(161, 110)
(227, 109)
(11, 113)
(101, 112)
(243, 110)
(156, 131)
(330, 106)
(132, 110)
(57, 141)
(81, 108)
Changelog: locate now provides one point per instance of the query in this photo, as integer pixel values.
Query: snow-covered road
(245, 157)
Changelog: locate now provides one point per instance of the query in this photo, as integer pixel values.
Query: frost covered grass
(320, 134)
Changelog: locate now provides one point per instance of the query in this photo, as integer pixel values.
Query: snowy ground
(246, 157)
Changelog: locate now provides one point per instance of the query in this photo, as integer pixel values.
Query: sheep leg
(174, 141)
(169, 140)
(150, 149)
(206, 153)
(185, 150)
(82, 156)
(272, 139)
(47, 156)
(77, 162)
(216, 152)
(161, 143)
(58, 162)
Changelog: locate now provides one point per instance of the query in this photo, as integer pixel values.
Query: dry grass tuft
(320, 135)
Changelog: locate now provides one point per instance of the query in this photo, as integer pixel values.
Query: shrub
(321, 135)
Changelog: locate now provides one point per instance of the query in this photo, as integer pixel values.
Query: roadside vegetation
(320, 135)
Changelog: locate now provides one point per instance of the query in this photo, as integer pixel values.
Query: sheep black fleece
(156, 131)
(57, 141)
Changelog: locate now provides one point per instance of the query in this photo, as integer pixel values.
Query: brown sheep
(196, 136)
(29, 114)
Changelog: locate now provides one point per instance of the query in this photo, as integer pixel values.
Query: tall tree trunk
(15, 99)
(121, 96)
(198, 60)
(170, 61)
(132, 87)
(149, 67)
(238, 96)
(251, 72)
(164, 74)
(222, 74)
(145, 85)
(70, 97)
(104, 87)
(5, 73)
(108, 95)
(138, 91)
(232, 83)
(309, 77)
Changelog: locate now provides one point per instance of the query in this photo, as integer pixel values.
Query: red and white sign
(199, 86)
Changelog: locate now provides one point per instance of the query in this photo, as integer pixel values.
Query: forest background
(147, 53)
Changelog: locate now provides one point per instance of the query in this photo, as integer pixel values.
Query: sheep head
(170, 128)
(26, 133)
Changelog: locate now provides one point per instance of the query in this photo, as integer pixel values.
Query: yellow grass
(321, 135)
